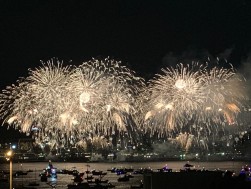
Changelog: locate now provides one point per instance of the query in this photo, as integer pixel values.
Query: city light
(9, 156)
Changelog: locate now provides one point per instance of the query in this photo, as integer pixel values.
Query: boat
(188, 167)
(63, 171)
(91, 181)
(78, 186)
(165, 169)
(143, 170)
(78, 178)
(49, 172)
(121, 171)
(43, 177)
(94, 172)
(245, 173)
(73, 171)
(123, 178)
(18, 173)
(85, 185)
(110, 185)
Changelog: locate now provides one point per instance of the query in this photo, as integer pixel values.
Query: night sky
(144, 35)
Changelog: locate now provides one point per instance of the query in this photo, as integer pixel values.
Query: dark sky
(140, 33)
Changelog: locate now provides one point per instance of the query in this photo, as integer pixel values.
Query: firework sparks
(174, 96)
(193, 99)
(107, 92)
(67, 102)
(102, 96)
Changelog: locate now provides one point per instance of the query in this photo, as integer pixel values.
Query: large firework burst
(65, 103)
(38, 97)
(105, 92)
(173, 97)
(193, 99)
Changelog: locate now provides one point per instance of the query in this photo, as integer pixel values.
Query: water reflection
(64, 179)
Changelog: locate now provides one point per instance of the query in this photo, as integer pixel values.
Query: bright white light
(169, 106)
(108, 108)
(180, 83)
(84, 98)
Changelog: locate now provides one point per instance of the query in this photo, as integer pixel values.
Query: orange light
(9, 153)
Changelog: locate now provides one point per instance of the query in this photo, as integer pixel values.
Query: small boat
(110, 185)
(129, 169)
(121, 171)
(123, 178)
(130, 175)
(94, 172)
(78, 178)
(73, 172)
(188, 167)
(165, 169)
(113, 169)
(63, 171)
(78, 186)
(50, 171)
(85, 185)
(18, 173)
(43, 177)
(143, 170)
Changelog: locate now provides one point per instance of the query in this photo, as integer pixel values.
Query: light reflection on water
(64, 179)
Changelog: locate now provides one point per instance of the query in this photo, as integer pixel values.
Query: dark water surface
(64, 179)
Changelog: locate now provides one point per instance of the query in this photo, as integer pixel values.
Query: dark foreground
(196, 179)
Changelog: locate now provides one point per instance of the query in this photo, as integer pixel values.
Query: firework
(38, 100)
(105, 92)
(65, 103)
(193, 99)
(186, 103)
(173, 97)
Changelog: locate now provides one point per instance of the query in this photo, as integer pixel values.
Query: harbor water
(35, 168)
